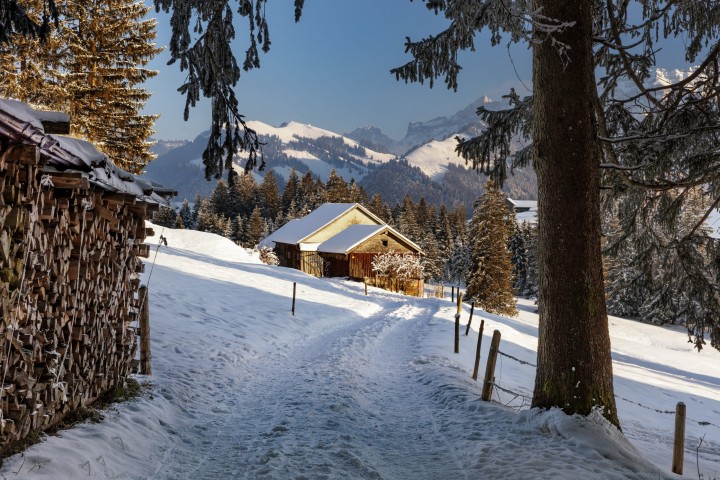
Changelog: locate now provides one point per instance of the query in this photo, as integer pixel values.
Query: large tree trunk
(574, 363)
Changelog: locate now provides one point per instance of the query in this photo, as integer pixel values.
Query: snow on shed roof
(530, 204)
(24, 112)
(23, 124)
(296, 231)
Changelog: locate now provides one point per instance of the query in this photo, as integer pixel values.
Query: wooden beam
(22, 154)
(59, 128)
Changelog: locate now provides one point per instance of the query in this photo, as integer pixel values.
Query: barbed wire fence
(522, 400)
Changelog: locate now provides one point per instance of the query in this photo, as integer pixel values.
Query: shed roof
(354, 235)
(297, 230)
(529, 204)
(23, 124)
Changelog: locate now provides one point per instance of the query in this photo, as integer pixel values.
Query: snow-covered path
(353, 386)
(345, 404)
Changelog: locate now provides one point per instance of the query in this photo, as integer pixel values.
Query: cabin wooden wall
(288, 255)
(352, 217)
(69, 258)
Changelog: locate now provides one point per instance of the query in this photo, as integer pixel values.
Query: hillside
(357, 386)
(363, 154)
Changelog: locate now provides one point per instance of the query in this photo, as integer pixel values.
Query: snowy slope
(294, 130)
(433, 157)
(357, 386)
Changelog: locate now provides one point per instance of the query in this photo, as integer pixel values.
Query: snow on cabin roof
(354, 235)
(23, 124)
(349, 238)
(296, 231)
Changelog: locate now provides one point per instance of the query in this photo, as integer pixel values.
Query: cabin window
(384, 243)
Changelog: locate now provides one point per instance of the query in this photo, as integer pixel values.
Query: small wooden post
(679, 445)
(293, 304)
(457, 323)
(490, 369)
(472, 309)
(145, 356)
(477, 352)
(365, 282)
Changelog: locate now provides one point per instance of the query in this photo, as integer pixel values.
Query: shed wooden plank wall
(68, 288)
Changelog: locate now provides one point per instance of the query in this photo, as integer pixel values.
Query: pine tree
(219, 202)
(196, 209)
(245, 195)
(21, 23)
(356, 194)
(407, 219)
(256, 229)
(518, 256)
(336, 189)
(93, 69)
(459, 263)
(166, 216)
(290, 193)
(237, 234)
(490, 282)
(380, 208)
(186, 215)
(269, 197)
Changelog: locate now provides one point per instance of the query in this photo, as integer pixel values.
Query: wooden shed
(350, 253)
(296, 243)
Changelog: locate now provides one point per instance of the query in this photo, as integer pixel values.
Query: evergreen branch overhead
(202, 36)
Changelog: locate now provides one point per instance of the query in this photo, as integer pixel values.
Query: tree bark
(574, 362)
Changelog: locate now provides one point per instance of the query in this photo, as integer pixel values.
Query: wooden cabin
(350, 253)
(296, 242)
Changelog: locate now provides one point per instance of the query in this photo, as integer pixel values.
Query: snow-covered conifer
(490, 281)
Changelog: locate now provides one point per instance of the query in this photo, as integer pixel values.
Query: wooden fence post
(365, 282)
(679, 445)
(457, 323)
(477, 352)
(472, 309)
(490, 369)
(145, 356)
(293, 304)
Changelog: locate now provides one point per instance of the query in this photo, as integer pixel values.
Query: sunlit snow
(357, 386)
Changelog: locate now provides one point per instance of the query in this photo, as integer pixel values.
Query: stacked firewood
(69, 264)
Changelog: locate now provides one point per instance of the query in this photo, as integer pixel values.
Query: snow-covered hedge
(398, 265)
(268, 256)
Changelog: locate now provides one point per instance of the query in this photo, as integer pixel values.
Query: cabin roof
(295, 231)
(354, 235)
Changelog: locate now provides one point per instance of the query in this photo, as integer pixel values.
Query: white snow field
(356, 387)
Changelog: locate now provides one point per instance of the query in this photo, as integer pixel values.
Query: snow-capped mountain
(427, 155)
(430, 145)
(294, 144)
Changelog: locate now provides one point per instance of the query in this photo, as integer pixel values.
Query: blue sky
(332, 70)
